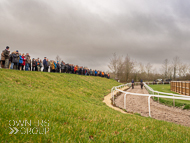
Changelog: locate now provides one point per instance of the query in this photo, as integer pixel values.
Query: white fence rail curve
(171, 96)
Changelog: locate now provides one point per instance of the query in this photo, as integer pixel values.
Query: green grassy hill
(73, 107)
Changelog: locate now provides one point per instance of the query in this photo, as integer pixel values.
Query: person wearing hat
(10, 61)
(6, 54)
(33, 64)
(23, 61)
(17, 53)
(27, 61)
(45, 64)
(20, 61)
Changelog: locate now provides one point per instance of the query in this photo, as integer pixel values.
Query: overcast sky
(88, 32)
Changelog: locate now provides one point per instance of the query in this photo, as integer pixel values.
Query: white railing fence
(151, 94)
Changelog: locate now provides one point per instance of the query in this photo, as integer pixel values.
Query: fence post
(189, 88)
(173, 101)
(185, 88)
(113, 97)
(158, 97)
(149, 105)
(125, 102)
(181, 87)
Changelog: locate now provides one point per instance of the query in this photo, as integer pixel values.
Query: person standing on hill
(11, 60)
(15, 60)
(27, 62)
(24, 60)
(55, 65)
(45, 64)
(17, 53)
(20, 61)
(30, 65)
(33, 64)
(2, 60)
(6, 54)
(95, 73)
(58, 67)
(48, 64)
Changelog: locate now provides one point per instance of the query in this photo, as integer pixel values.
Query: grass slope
(184, 104)
(73, 105)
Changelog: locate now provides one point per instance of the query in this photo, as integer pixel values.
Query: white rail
(171, 96)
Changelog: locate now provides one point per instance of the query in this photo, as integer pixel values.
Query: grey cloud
(84, 33)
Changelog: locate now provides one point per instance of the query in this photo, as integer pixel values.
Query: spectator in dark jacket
(17, 53)
(48, 64)
(33, 64)
(58, 67)
(67, 68)
(45, 64)
(15, 60)
(11, 60)
(6, 54)
(36, 68)
(30, 65)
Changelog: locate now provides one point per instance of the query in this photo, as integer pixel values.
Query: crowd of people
(17, 61)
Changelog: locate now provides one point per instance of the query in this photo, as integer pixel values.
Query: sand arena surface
(139, 104)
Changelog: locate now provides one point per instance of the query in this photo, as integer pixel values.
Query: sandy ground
(139, 104)
(107, 100)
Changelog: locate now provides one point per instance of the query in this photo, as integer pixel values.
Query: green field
(73, 107)
(184, 104)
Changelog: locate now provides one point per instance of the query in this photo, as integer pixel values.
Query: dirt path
(139, 104)
(107, 100)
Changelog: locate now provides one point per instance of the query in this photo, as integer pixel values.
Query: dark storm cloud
(87, 32)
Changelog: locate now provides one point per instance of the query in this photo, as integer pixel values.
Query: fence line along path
(139, 104)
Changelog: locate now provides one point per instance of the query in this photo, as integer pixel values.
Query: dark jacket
(6, 54)
(15, 58)
(58, 66)
(67, 67)
(10, 58)
(33, 63)
(44, 62)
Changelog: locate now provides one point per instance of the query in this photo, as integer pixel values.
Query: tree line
(125, 69)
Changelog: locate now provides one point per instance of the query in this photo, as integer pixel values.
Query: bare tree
(165, 67)
(113, 65)
(170, 70)
(120, 67)
(141, 66)
(176, 61)
(128, 67)
(148, 69)
(183, 70)
(58, 59)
